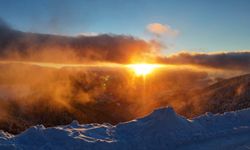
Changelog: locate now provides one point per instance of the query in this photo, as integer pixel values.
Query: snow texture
(162, 129)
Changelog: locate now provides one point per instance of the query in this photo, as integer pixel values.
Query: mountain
(226, 95)
(162, 129)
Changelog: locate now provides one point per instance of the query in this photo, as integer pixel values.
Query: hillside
(226, 95)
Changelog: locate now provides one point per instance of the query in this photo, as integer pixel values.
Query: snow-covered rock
(162, 129)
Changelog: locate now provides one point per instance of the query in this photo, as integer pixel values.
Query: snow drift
(162, 129)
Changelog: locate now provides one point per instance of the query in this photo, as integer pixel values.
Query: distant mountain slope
(226, 95)
(162, 129)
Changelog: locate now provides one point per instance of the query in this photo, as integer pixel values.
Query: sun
(143, 69)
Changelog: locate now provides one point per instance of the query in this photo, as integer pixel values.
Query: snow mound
(162, 129)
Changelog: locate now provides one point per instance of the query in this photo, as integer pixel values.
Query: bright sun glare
(143, 69)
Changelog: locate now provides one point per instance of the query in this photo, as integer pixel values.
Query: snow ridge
(162, 129)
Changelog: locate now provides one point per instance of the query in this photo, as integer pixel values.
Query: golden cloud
(161, 29)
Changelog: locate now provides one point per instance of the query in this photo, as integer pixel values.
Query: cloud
(4, 25)
(237, 60)
(159, 29)
(17, 45)
(88, 34)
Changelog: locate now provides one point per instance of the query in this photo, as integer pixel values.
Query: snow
(162, 129)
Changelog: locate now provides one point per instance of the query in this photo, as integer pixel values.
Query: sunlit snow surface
(162, 129)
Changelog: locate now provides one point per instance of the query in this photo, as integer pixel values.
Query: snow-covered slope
(162, 129)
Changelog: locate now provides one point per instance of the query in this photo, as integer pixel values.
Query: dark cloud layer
(17, 45)
(225, 60)
(56, 48)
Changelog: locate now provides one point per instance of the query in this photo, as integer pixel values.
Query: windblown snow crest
(162, 129)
